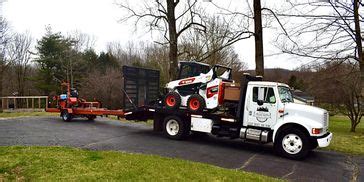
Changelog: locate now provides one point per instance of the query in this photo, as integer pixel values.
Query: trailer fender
(295, 121)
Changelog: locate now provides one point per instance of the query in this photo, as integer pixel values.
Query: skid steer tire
(172, 100)
(196, 103)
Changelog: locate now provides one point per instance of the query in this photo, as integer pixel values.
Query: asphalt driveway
(104, 134)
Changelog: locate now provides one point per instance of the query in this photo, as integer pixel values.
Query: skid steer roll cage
(196, 68)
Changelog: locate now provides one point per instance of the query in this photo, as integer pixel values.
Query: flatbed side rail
(144, 113)
(89, 111)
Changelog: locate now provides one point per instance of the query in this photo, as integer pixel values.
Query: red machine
(69, 106)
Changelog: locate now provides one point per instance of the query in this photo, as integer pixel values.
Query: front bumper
(325, 140)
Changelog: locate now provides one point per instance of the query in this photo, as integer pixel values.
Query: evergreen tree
(54, 54)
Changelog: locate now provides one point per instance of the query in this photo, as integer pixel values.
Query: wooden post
(46, 106)
(39, 102)
(27, 103)
(3, 103)
(15, 103)
(32, 103)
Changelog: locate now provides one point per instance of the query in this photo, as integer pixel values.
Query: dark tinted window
(268, 95)
(186, 71)
(191, 70)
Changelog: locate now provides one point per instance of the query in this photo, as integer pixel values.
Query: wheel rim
(170, 100)
(194, 104)
(65, 117)
(292, 143)
(172, 127)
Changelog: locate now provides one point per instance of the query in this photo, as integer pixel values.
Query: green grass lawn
(344, 140)
(22, 114)
(62, 163)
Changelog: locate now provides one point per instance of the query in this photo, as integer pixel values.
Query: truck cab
(269, 104)
(269, 110)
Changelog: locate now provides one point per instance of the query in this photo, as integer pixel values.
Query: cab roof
(266, 83)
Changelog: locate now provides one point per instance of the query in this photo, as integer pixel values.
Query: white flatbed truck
(265, 113)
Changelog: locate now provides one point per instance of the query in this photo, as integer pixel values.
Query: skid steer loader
(199, 86)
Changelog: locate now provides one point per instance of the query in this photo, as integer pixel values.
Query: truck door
(262, 108)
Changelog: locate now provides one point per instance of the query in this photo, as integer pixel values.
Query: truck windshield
(285, 94)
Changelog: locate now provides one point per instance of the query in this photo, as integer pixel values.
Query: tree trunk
(352, 128)
(1, 85)
(258, 30)
(2, 71)
(359, 45)
(173, 50)
(354, 124)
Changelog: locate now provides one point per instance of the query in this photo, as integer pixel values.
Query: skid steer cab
(199, 86)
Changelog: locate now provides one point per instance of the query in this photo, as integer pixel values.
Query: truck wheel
(66, 116)
(172, 100)
(293, 144)
(175, 128)
(196, 103)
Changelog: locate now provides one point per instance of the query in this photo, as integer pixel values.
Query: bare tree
(4, 41)
(131, 54)
(258, 32)
(324, 30)
(103, 87)
(253, 14)
(213, 45)
(172, 18)
(82, 41)
(19, 54)
(340, 89)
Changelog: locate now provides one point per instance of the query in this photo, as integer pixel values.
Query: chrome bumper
(325, 141)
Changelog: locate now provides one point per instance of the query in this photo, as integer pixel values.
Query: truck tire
(196, 103)
(292, 143)
(172, 100)
(175, 128)
(66, 117)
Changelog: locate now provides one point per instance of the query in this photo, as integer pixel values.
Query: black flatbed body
(145, 113)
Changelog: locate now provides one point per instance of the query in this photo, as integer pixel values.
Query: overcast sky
(99, 18)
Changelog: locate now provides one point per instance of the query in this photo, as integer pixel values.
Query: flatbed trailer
(69, 105)
(89, 113)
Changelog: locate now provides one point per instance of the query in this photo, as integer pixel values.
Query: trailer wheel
(175, 128)
(66, 116)
(91, 117)
(172, 100)
(292, 143)
(196, 103)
